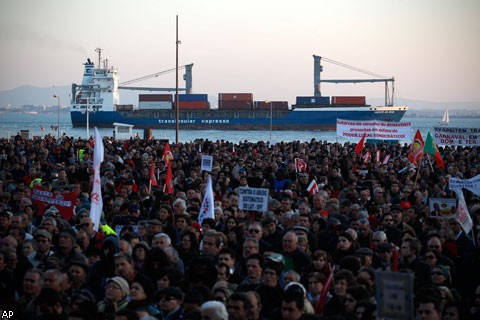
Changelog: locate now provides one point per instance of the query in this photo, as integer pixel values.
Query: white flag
(462, 215)
(96, 195)
(206, 211)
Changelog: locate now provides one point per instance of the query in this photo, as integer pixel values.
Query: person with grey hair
(291, 276)
(378, 237)
(213, 310)
(161, 240)
(179, 206)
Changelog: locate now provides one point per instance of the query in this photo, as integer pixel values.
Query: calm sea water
(10, 124)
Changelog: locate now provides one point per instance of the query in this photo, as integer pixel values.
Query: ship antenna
(99, 50)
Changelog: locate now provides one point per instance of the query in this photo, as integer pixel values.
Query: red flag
(168, 187)
(313, 187)
(360, 145)
(153, 179)
(416, 149)
(367, 157)
(395, 257)
(167, 155)
(439, 160)
(324, 294)
(300, 165)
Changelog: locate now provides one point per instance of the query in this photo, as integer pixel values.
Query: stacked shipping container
(235, 101)
(155, 101)
(193, 102)
(351, 100)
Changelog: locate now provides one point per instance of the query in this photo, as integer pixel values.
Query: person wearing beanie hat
(66, 251)
(117, 292)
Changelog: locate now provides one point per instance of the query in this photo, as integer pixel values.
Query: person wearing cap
(43, 238)
(169, 301)
(398, 219)
(78, 269)
(66, 248)
(385, 255)
(117, 293)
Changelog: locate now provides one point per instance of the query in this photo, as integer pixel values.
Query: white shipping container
(156, 105)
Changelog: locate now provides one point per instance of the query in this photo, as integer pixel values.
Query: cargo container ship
(96, 102)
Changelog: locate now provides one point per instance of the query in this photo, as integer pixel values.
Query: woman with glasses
(117, 293)
(269, 290)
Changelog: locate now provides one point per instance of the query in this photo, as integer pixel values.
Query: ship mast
(177, 104)
(99, 50)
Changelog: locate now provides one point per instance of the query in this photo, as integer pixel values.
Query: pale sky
(431, 47)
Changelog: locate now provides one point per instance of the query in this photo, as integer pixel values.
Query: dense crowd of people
(315, 254)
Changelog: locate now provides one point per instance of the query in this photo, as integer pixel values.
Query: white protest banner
(472, 184)
(381, 130)
(254, 199)
(456, 136)
(207, 163)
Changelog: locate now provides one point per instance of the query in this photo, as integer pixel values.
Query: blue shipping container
(313, 100)
(192, 97)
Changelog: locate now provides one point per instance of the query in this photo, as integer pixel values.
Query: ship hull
(298, 119)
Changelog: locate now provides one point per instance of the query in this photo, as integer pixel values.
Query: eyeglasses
(112, 286)
(166, 298)
(84, 225)
(253, 230)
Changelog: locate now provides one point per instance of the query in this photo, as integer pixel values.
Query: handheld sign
(394, 295)
(253, 199)
(207, 163)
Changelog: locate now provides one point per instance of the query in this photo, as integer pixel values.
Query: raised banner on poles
(381, 130)
(254, 199)
(456, 136)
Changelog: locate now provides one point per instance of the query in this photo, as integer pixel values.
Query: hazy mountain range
(30, 95)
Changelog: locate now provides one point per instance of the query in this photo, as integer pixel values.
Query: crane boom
(318, 68)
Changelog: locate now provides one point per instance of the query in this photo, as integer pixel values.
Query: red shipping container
(348, 100)
(155, 97)
(235, 96)
(276, 105)
(235, 105)
(194, 105)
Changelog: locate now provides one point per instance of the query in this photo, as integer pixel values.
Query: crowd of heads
(320, 254)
